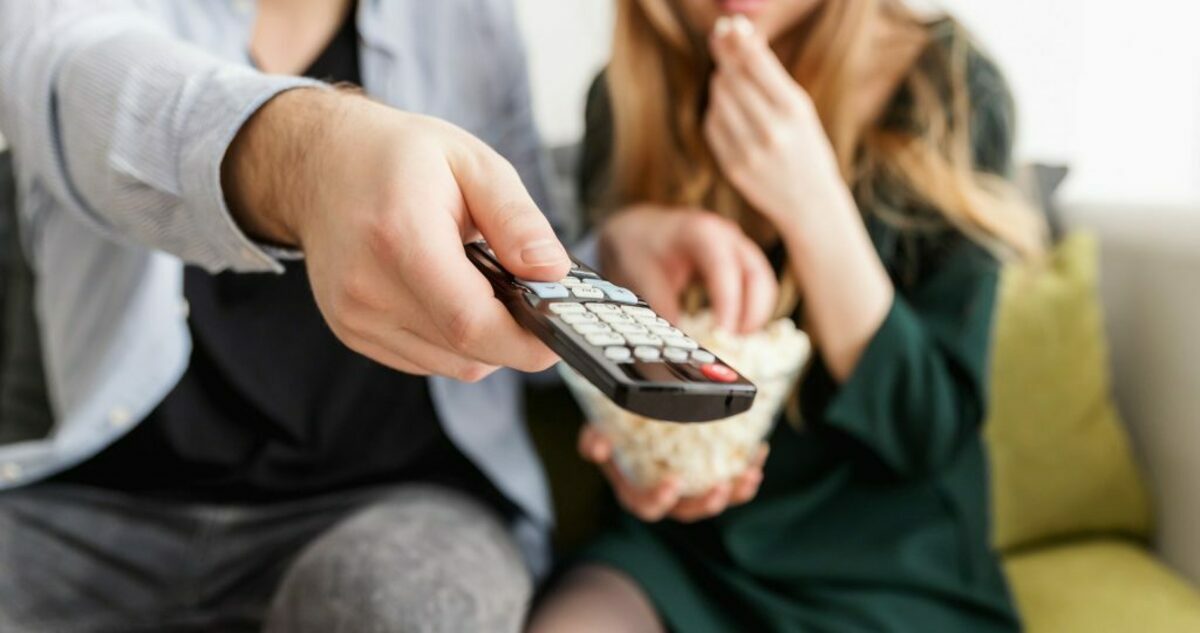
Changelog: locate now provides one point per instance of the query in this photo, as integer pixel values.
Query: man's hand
(658, 252)
(381, 202)
(663, 500)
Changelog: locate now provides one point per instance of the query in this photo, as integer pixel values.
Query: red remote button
(717, 372)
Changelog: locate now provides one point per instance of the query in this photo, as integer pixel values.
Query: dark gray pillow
(24, 406)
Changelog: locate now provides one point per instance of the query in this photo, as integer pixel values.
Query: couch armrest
(1150, 282)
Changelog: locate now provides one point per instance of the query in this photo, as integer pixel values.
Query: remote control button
(675, 355)
(586, 292)
(603, 308)
(646, 353)
(569, 281)
(578, 317)
(604, 339)
(630, 328)
(682, 342)
(583, 274)
(648, 340)
(591, 328)
(666, 330)
(701, 356)
(644, 320)
(616, 317)
(638, 311)
(546, 289)
(717, 372)
(620, 295)
(567, 308)
(617, 353)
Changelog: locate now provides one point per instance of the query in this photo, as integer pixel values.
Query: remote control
(611, 337)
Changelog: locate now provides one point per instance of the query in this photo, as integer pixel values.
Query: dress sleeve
(917, 394)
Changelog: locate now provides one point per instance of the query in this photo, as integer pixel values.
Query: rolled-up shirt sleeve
(126, 125)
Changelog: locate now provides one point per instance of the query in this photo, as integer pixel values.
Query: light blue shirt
(119, 113)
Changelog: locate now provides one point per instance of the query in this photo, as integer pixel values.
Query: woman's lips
(741, 6)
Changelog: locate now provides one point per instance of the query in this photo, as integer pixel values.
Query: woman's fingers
(714, 249)
(654, 503)
(743, 51)
(704, 506)
(648, 504)
(593, 445)
(756, 117)
(745, 487)
(723, 103)
(760, 288)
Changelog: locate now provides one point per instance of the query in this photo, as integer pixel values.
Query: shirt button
(119, 417)
(10, 472)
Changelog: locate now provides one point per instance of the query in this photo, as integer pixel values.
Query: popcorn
(703, 454)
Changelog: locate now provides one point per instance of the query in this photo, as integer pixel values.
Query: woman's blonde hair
(658, 77)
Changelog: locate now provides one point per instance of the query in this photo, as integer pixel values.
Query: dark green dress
(874, 516)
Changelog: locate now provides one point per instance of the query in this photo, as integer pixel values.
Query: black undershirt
(272, 405)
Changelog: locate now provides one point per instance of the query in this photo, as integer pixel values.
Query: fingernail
(543, 253)
(742, 25)
(722, 27)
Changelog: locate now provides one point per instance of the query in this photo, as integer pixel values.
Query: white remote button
(617, 353)
(566, 308)
(578, 317)
(591, 328)
(602, 308)
(648, 340)
(616, 318)
(587, 292)
(569, 281)
(682, 342)
(630, 328)
(701, 356)
(638, 311)
(644, 320)
(646, 353)
(604, 339)
(619, 294)
(675, 355)
(666, 330)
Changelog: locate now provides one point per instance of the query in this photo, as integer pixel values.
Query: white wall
(1110, 89)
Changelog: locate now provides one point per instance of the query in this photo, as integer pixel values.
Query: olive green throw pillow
(1061, 463)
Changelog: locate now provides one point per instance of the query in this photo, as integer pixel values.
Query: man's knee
(423, 560)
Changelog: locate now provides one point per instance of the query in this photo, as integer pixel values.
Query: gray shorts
(410, 558)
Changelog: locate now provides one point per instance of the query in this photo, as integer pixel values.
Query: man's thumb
(506, 215)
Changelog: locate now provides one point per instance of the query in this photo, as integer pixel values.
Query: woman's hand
(764, 130)
(659, 252)
(768, 140)
(663, 500)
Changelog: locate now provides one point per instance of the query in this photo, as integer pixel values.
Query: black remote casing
(663, 390)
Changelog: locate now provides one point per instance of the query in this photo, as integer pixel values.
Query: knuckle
(774, 139)
(356, 291)
(464, 331)
(384, 237)
(472, 372)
